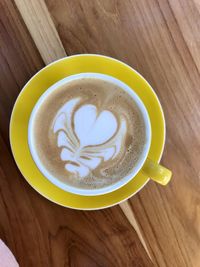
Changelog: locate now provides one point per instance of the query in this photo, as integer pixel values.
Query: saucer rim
(12, 123)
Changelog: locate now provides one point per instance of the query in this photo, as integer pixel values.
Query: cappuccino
(88, 133)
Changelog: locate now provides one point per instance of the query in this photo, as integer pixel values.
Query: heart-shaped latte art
(92, 128)
(86, 137)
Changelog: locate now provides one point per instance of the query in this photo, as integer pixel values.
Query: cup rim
(121, 182)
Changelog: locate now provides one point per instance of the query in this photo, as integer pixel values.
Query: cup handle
(156, 172)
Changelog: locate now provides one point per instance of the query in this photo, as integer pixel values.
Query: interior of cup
(118, 184)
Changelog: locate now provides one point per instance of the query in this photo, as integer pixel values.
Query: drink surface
(89, 133)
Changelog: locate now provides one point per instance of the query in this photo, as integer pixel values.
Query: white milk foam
(93, 138)
(88, 133)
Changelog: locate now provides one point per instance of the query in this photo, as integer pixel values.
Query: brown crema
(104, 96)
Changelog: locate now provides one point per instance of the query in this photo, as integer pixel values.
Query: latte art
(88, 133)
(93, 138)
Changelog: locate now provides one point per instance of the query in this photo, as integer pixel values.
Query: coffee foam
(87, 137)
(89, 133)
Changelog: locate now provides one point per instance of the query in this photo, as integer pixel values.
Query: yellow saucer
(41, 82)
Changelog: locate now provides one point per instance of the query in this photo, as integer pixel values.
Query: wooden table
(159, 38)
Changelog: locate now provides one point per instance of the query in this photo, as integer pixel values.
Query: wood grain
(19, 60)
(39, 232)
(128, 212)
(41, 43)
(159, 38)
(41, 28)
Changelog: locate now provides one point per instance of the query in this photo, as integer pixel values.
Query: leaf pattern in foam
(63, 121)
(96, 136)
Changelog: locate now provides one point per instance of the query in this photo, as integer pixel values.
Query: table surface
(160, 39)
